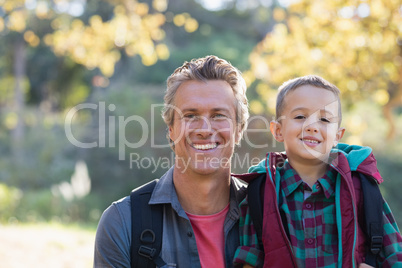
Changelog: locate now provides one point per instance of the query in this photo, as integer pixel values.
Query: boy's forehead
(310, 97)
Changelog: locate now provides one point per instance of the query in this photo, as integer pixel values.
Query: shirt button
(308, 206)
(317, 186)
(310, 241)
(189, 234)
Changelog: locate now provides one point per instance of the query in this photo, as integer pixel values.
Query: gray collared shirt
(179, 248)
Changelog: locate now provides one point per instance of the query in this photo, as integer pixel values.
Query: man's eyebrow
(218, 109)
(188, 110)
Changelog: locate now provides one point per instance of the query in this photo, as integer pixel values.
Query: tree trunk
(19, 69)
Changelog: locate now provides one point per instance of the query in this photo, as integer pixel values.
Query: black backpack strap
(146, 228)
(255, 204)
(255, 194)
(373, 203)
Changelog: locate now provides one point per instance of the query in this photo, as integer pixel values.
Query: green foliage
(263, 42)
(354, 45)
(390, 169)
(46, 158)
(9, 199)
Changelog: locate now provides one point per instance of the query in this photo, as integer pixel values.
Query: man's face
(204, 129)
(309, 125)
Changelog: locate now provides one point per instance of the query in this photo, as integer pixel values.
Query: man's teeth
(311, 141)
(205, 146)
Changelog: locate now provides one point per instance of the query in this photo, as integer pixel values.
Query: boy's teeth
(204, 146)
(312, 141)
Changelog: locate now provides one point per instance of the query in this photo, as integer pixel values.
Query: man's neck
(311, 172)
(202, 195)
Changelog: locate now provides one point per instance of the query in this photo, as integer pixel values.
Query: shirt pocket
(329, 234)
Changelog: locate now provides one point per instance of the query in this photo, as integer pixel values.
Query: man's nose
(204, 126)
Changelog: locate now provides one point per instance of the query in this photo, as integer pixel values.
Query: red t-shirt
(209, 236)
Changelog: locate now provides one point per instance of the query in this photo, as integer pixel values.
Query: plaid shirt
(311, 224)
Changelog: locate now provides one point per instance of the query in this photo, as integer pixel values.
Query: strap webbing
(373, 202)
(254, 200)
(147, 229)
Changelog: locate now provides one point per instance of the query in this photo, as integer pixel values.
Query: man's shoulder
(119, 208)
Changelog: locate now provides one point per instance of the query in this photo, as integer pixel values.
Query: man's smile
(207, 146)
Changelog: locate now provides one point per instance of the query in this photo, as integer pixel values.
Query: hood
(355, 154)
(358, 158)
(272, 159)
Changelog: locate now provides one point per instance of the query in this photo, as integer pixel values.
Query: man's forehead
(199, 109)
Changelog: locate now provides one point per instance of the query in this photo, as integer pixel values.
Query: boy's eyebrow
(304, 109)
(298, 109)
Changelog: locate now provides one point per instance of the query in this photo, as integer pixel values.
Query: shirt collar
(290, 180)
(165, 193)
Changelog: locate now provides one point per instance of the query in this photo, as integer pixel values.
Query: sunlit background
(101, 66)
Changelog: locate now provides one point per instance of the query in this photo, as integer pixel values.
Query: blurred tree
(15, 25)
(133, 27)
(91, 33)
(357, 45)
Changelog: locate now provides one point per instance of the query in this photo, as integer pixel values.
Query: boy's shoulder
(356, 159)
(271, 159)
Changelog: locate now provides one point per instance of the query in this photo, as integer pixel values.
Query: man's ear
(170, 129)
(238, 133)
(276, 130)
(339, 135)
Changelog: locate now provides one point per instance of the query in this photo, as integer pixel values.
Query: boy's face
(309, 124)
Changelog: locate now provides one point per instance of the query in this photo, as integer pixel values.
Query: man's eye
(189, 116)
(219, 116)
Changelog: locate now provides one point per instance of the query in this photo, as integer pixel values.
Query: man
(206, 113)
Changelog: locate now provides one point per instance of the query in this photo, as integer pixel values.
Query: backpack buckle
(376, 244)
(147, 237)
(147, 252)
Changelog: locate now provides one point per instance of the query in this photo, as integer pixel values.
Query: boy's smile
(308, 125)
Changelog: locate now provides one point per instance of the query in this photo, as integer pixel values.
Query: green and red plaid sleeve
(249, 251)
(391, 254)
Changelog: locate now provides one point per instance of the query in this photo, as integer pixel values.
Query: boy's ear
(339, 135)
(276, 130)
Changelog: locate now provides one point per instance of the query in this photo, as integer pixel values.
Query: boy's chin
(316, 155)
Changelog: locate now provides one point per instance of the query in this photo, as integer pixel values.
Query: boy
(312, 200)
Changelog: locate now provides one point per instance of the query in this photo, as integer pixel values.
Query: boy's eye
(300, 117)
(325, 120)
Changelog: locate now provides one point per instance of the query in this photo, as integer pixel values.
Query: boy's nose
(312, 128)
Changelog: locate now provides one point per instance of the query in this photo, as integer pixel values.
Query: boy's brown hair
(310, 80)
